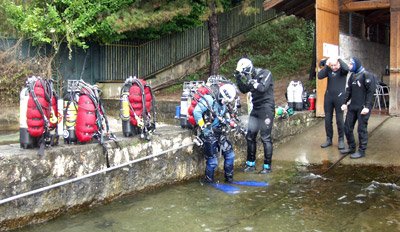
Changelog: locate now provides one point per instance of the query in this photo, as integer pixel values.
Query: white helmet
(227, 93)
(245, 66)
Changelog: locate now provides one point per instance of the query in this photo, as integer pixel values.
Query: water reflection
(347, 198)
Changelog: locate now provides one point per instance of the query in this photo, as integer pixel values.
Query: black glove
(322, 62)
(237, 74)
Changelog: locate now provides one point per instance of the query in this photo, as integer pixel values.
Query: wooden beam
(268, 4)
(394, 101)
(364, 5)
(309, 7)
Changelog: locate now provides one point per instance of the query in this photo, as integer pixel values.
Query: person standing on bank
(360, 90)
(336, 70)
(260, 83)
(208, 114)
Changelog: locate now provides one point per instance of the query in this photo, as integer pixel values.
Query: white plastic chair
(380, 94)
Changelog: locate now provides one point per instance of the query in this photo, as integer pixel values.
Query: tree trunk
(214, 44)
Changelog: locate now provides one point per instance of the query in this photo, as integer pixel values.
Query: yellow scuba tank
(25, 139)
(70, 112)
(125, 108)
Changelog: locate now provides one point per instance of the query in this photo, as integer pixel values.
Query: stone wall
(374, 56)
(23, 170)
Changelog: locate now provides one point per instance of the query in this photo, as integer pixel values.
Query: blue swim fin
(229, 189)
(251, 183)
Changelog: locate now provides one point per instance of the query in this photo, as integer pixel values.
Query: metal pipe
(3, 201)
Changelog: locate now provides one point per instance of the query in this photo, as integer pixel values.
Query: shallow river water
(348, 198)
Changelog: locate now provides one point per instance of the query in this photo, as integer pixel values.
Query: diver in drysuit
(360, 90)
(260, 83)
(210, 114)
(336, 70)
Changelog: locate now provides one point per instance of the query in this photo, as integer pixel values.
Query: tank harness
(91, 121)
(41, 114)
(137, 108)
(229, 122)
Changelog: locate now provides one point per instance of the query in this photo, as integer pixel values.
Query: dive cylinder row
(79, 116)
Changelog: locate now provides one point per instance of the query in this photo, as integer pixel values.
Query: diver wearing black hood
(360, 90)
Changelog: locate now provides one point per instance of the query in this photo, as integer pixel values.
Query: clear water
(348, 198)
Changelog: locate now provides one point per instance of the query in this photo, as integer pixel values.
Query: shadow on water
(348, 198)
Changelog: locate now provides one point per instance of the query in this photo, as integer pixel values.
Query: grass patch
(284, 46)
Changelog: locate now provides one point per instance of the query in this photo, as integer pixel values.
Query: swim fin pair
(233, 189)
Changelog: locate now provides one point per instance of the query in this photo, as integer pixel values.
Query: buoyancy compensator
(85, 118)
(137, 108)
(230, 121)
(38, 114)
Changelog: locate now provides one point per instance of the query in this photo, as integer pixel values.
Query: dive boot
(209, 177)
(250, 166)
(228, 173)
(341, 143)
(327, 143)
(347, 151)
(357, 155)
(266, 169)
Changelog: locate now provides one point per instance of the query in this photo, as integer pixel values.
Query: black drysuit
(360, 90)
(263, 113)
(334, 96)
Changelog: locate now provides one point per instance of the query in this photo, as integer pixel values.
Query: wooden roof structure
(374, 12)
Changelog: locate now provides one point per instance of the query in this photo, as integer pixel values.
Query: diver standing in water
(209, 114)
(260, 83)
(336, 70)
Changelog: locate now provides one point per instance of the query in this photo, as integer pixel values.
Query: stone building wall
(374, 56)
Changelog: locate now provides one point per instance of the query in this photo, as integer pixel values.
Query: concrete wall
(374, 56)
(23, 170)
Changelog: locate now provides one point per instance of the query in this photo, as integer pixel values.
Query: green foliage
(55, 21)
(103, 21)
(311, 84)
(284, 46)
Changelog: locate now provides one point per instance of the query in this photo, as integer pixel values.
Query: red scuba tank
(196, 98)
(34, 117)
(86, 118)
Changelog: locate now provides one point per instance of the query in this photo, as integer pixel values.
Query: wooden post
(327, 28)
(394, 100)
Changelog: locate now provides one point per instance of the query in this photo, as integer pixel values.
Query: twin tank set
(79, 116)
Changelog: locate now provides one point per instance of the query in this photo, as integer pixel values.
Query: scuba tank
(26, 140)
(290, 94)
(127, 129)
(70, 113)
(141, 101)
(39, 109)
(298, 96)
(60, 116)
(183, 117)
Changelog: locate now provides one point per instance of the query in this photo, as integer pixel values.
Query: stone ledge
(23, 171)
